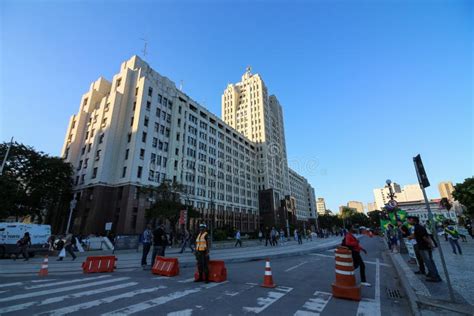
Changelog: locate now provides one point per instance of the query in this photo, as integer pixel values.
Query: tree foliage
(34, 184)
(464, 193)
(374, 218)
(167, 202)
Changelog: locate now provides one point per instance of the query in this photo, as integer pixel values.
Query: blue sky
(365, 85)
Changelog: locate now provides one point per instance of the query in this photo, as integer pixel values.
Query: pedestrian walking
(186, 241)
(295, 234)
(300, 237)
(68, 247)
(282, 236)
(146, 242)
(392, 233)
(23, 245)
(268, 238)
(273, 235)
(160, 241)
(353, 243)
(425, 246)
(238, 241)
(453, 237)
(260, 236)
(202, 254)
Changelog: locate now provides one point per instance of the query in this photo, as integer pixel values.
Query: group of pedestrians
(156, 238)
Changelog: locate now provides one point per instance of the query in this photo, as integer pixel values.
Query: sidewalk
(131, 260)
(433, 298)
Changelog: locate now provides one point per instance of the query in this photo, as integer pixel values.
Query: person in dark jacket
(23, 245)
(160, 241)
(353, 243)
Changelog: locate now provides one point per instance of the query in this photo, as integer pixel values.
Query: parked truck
(10, 233)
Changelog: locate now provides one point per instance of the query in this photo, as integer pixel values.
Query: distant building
(321, 206)
(371, 207)
(410, 192)
(358, 206)
(342, 207)
(418, 208)
(446, 190)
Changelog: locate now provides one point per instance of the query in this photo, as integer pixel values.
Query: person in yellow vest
(202, 254)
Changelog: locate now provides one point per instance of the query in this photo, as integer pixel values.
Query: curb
(411, 295)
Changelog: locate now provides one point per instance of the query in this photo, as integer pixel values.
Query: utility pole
(424, 183)
(6, 156)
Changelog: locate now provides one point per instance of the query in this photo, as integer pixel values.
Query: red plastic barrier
(165, 266)
(95, 264)
(217, 271)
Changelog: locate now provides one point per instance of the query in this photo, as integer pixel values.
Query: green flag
(402, 215)
(384, 224)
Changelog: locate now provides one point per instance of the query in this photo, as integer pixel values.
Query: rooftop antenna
(144, 51)
(249, 69)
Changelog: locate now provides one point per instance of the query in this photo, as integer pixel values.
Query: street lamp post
(72, 206)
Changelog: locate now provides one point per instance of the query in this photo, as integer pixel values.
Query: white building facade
(140, 130)
(303, 193)
(410, 192)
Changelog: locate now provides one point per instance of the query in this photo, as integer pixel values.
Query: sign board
(420, 171)
(126, 242)
(108, 226)
(183, 217)
(392, 204)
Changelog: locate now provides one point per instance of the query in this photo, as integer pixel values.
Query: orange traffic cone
(268, 278)
(44, 267)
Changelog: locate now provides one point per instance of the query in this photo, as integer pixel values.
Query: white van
(10, 233)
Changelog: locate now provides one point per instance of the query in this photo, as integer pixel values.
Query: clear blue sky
(365, 85)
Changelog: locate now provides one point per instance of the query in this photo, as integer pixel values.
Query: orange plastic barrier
(165, 266)
(345, 285)
(96, 264)
(217, 271)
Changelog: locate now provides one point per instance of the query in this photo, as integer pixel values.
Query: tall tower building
(247, 107)
(446, 190)
(321, 206)
(358, 206)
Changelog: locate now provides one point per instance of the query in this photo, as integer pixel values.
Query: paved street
(303, 288)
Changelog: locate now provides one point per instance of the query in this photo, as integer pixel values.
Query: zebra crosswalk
(122, 294)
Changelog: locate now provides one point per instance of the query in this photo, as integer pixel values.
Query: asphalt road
(303, 288)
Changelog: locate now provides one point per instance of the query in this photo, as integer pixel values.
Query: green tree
(359, 219)
(374, 218)
(34, 184)
(166, 202)
(464, 193)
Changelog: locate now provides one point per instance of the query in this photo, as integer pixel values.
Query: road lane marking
(315, 305)
(295, 267)
(184, 312)
(369, 262)
(265, 302)
(11, 284)
(162, 278)
(57, 290)
(110, 299)
(65, 282)
(187, 280)
(53, 300)
(41, 281)
(369, 307)
(160, 300)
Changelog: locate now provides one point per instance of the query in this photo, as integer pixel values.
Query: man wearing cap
(202, 254)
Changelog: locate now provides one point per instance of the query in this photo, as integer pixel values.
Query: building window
(157, 127)
(150, 91)
(97, 155)
(83, 151)
(159, 98)
(119, 81)
(142, 153)
(154, 142)
(148, 105)
(129, 137)
(144, 137)
(126, 153)
(94, 173)
(139, 172)
(124, 172)
(146, 121)
(131, 121)
(101, 138)
(136, 91)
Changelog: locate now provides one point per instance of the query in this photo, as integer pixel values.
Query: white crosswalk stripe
(11, 284)
(65, 282)
(58, 299)
(132, 309)
(265, 302)
(315, 305)
(187, 280)
(57, 290)
(42, 281)
(110, 299)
